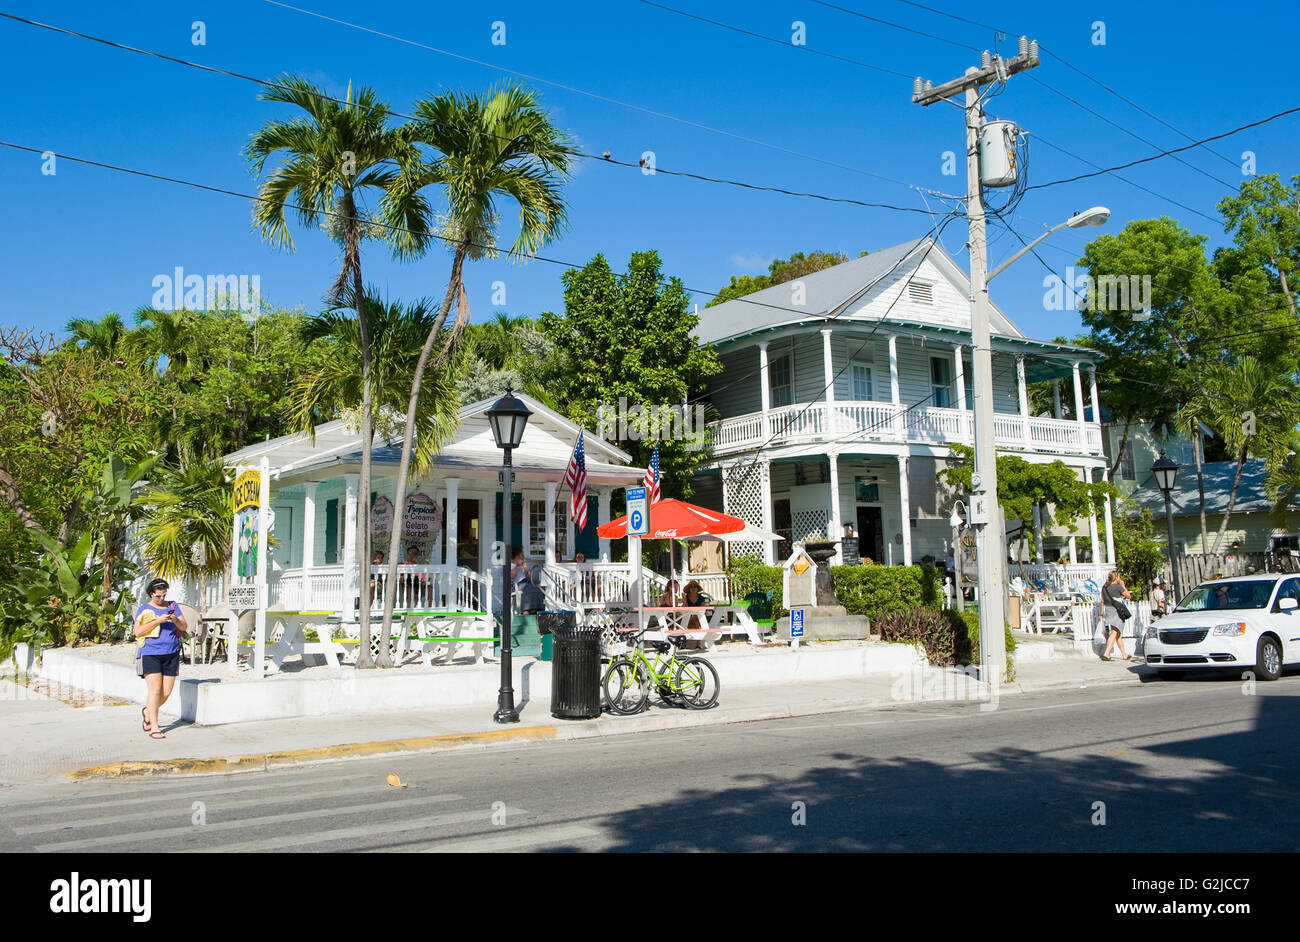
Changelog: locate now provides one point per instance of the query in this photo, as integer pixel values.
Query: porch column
(959, 371)
(351, 575)
(602, 517)
(1092, 521)
(905, 503)
(1056, 398)
(764, 387)
(1038, 533)
(551, 489)
(1093, 398)
(765, 480)
(827, 371)
(453, 520)
(1078, 404)
(837, 525)
(1024, 399)
(1074, 553)
(1110, 530)
(893, 385)
(308, 539)
(491, 551)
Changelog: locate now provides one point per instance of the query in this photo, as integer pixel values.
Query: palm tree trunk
(408, 435)
(1232, 499)
(1200, 487)
(352, 260)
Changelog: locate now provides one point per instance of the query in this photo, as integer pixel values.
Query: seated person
(693, 596)
(376, 560)
(669, 597)
(415, 583)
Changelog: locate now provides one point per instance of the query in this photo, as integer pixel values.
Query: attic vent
(921, 292)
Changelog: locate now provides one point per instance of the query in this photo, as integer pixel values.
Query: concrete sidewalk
(43, 738)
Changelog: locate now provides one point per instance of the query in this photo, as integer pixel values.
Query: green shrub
(934, 630)
(750, 574)
(966, 648)
(873, 590)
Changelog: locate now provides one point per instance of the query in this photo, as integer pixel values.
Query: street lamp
(508, 416)
(1166, 472)
(984, 513)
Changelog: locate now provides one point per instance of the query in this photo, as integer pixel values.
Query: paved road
(1193, 766)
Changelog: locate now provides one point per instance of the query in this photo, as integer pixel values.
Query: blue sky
(87, 241)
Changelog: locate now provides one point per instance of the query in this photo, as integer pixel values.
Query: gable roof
(842, 291)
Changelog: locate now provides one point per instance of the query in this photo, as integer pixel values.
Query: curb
(263, 762)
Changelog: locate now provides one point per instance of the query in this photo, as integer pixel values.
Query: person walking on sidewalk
(159, 626)
(1113, 592)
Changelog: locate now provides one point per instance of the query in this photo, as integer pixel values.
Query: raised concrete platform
(209, 695)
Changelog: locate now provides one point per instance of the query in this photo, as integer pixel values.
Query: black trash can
(575, 668)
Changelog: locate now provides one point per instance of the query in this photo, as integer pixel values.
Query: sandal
(144, 722)
(158, 734)
(1105, 658)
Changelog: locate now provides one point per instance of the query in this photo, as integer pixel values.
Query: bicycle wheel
(697, 683)
(625, 687)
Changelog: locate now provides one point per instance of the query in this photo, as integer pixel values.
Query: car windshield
(1216, 595)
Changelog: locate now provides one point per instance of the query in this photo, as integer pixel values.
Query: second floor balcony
(846, 423)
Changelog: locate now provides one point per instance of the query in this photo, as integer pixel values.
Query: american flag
(576, 479)
(652, 478)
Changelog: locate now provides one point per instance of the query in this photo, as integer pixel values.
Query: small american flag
(576, 479)
(652, 478)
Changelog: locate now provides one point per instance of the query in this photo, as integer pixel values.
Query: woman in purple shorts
(159, 653)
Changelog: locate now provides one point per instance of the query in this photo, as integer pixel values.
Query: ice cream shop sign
(422, 519)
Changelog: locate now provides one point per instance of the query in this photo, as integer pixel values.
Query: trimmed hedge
(874, 590)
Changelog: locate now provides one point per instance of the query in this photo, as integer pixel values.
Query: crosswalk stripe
(513, 839)
(154, 835)
(131, 793)
(290, 841)
(157, 810)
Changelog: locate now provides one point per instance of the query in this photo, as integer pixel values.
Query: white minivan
(1250, 622)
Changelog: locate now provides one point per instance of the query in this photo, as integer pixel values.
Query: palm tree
(1254, 411)
(101, 337)
(160, 334)
(186, 525)
(333, 156)
(485, 149)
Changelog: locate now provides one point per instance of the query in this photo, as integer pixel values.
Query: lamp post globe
(508, 418)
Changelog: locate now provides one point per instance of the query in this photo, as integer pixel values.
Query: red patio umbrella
(676, 520)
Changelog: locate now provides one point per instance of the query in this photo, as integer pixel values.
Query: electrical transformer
(998, 153)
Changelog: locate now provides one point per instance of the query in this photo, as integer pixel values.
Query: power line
(593, 95)
(588, 156)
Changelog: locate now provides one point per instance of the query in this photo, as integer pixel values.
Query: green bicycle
(691, 682)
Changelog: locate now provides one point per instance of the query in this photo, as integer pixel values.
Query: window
(1289, 590)
(941, 382)
(920, 292)
(779, 379)
(860, 375)
(537, 528)
(1126, 462)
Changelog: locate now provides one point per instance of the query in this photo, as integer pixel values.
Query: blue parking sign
(796, 623)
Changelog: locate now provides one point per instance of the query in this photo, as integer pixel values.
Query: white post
(764, 387)
(263, 592)
(1024, 399)
(959, 370)
(837, 525)
(893, 385)
(1038, 533)
(351, 583)
(828, 371)
(1074, 552)
(308, 540)
(1110, 529)
(232, 642)
(453, 521)
(551, 489)
(1096, 403)
(1092, 521)
(905, 505)
(1078, 405)
(602, 516)
(491, 551)
(769, 553)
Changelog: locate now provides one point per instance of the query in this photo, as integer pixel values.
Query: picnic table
(712, 621)
(292, 640)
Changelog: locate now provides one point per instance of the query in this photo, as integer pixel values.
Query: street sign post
(638, 515)
(796, 626)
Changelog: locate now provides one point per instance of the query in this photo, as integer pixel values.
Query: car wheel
(1268, 659)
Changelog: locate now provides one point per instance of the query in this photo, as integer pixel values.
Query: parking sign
(796, 623)
(638, 515)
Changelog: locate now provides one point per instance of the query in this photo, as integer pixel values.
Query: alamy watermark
(921, 682)
(660, 423)
(1101, 293)
(179, 291)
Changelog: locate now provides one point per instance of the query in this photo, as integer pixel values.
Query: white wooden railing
(882, 421)
(418, 588)
(577, 585)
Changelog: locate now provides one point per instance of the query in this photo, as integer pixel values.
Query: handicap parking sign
(796, 623)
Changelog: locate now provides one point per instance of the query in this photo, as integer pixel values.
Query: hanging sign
(381, 516)
(422, 519)
(248, 504)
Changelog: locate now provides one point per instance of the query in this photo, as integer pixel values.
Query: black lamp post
(1166, 471)
(508, 417)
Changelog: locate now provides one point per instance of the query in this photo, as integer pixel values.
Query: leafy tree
(485, 149)
(1264, 221)
(333, 156)
(779, 272)
(630, 336)
(185, 530)
(1139, 551)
